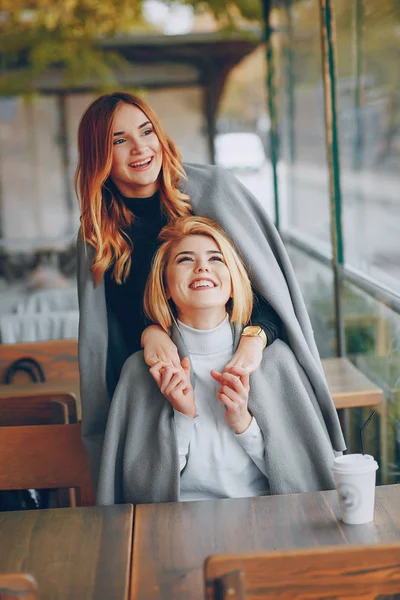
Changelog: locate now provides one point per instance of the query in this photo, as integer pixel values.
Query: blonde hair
(103, 214)
(156, 304)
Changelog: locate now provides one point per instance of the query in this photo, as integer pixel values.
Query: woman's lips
(141, 167)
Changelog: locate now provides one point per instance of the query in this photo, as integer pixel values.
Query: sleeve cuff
(184, 428)
(251, 437)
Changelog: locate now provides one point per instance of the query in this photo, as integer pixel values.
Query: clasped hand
(234, 395)
(174, 383)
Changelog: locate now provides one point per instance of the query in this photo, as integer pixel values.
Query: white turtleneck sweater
(214, 461)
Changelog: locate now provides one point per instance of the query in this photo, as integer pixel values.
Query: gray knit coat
(218, 195)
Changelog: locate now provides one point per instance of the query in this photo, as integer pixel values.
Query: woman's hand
(175, 384)
(159, 348)
(234, 394)
(247, 357)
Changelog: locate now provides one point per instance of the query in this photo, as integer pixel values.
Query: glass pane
(373, 345)
(303, 173)
(369, 121)
(243, 128)
(316, 284)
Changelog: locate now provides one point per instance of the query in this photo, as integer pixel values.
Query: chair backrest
(38, 410)
(17, 586)
(335, 572)
(45, 456)
(58, 358)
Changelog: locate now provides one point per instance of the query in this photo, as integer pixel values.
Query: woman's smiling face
(198, 281)
(137, 153)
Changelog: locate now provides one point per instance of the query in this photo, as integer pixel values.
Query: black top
(125, 301)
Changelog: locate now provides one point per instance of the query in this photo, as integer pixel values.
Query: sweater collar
(207, 341)
(142, 206)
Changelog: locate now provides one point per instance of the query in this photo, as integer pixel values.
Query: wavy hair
(104, 217)
(159, 308)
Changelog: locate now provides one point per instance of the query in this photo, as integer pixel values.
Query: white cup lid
(359, 463)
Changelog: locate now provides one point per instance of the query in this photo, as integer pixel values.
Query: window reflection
(303, 172)
(316, 284)
(369, 125)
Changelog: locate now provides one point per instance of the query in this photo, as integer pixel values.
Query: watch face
(252, 330)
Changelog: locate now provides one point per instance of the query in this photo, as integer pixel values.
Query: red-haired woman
(131, 181)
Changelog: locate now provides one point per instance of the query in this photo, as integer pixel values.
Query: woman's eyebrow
(192, 253)
(140, 127)
(184, 252)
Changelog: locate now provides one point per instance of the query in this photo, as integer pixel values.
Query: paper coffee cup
(355, 476)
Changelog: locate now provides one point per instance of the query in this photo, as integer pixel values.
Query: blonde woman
(195, 431)
(131, 182)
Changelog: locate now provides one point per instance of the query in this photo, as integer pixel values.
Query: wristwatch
(255, 331)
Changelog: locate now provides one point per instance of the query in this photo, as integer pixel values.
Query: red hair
(103, 215)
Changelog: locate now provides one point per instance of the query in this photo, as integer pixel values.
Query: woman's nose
(136, 146)
(202, 266)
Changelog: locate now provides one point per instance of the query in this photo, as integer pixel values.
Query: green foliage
(41, 34)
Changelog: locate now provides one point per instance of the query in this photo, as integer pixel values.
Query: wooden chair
(45, 409)
(38, 410)
(58, 358)
(329, 572)
(17, 586)
(43, 457)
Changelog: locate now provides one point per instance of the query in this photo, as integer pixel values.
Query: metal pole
(328, 46)
(291, 110)
(358, 60)
(274, 136)
(209, 109)
(65, 160)
(328, 43)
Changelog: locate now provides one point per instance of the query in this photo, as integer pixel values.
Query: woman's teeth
(142, 163)
(198, 284)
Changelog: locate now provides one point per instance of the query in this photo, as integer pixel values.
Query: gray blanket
(216, 194)
(140, 461)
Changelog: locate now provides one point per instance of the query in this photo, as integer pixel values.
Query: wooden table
(349, 387)
(171, 541)
(73, 553)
